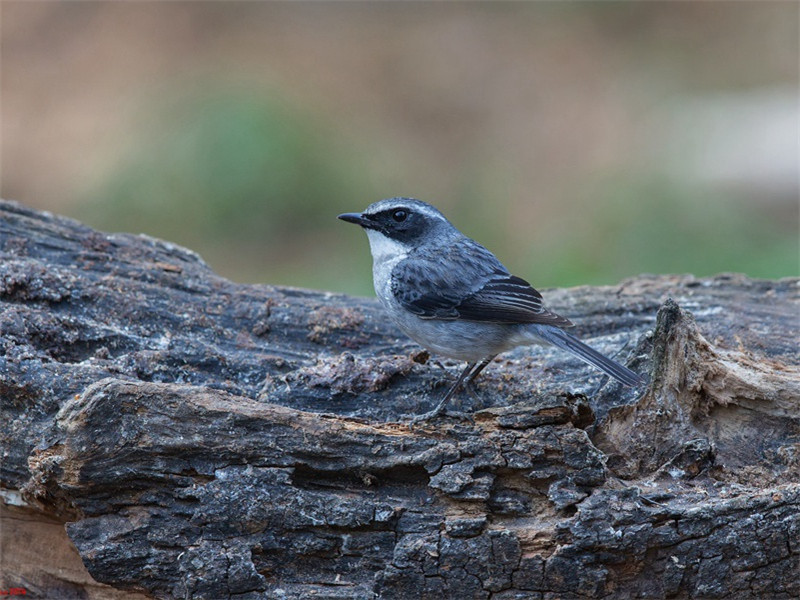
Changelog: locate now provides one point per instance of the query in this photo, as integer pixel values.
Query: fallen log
(204, 439)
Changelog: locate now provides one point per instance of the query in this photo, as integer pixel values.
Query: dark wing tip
(509, 299)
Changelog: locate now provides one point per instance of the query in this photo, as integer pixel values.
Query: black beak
(354, 218)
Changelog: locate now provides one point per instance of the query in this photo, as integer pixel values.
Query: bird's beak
(354, 218)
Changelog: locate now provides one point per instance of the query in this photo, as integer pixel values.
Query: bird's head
(397, 225)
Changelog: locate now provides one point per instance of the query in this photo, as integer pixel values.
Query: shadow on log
(202, 439)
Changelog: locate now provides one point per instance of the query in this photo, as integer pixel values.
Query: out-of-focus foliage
(248, 179)
(242, 176)
(656, 226)
(582, 142)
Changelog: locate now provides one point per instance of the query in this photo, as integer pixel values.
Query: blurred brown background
(583, 142)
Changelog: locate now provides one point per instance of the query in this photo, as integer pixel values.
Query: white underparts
(384, 248)
(386, 253)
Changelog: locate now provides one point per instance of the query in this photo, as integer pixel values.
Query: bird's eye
(400, 215)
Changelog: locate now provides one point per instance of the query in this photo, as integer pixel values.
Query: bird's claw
(432, 414)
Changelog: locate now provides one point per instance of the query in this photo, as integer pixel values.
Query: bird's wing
(508, 299)
(463, 280)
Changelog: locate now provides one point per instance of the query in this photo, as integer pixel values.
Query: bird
(453, 297)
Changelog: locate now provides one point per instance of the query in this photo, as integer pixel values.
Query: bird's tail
(567, 341)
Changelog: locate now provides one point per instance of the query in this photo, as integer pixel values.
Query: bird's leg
(481, 366)
(469, 384)
(440, 407)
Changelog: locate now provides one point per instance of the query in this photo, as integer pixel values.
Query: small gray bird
(453, 297)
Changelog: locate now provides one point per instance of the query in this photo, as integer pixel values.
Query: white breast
(386, 253)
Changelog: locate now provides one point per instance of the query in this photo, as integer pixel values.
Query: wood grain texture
(205, 439)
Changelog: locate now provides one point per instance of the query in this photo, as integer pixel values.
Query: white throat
(386, 253)
(385, 249)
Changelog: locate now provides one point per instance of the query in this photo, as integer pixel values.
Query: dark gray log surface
(212, 440)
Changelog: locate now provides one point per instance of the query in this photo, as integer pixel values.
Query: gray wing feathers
(509, 299)
(466, 281)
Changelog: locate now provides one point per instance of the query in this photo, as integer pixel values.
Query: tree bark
(203, 439)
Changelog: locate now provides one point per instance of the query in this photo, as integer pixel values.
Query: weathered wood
(205, 439)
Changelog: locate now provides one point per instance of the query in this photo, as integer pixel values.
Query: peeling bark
(205, 439)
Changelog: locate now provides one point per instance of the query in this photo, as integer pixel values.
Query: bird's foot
(431, 414)
(437, 412)
(457, 414)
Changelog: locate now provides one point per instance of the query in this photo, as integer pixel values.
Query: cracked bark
(211, 440)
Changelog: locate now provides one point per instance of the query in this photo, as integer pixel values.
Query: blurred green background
(583, 142)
